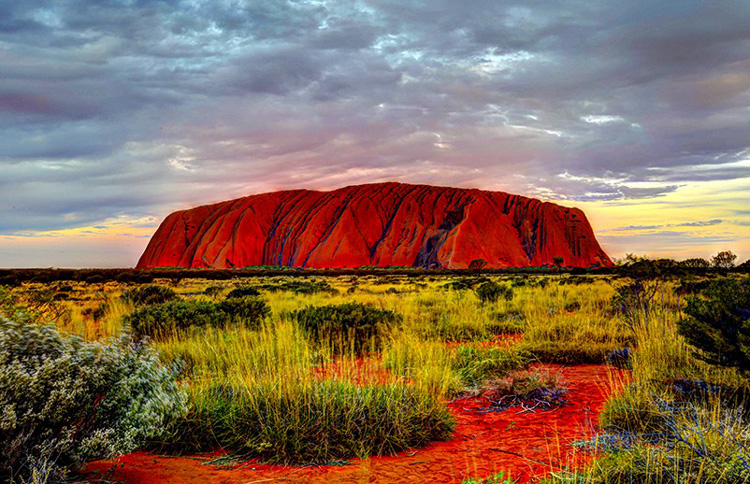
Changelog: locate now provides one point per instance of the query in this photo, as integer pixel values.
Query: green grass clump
(300, 287)
(498, 478)
(350, 326)
(465, 283)
(453, 330)
(213, 291)
(242, 291)
(490, 292)
(507, 322)
(149, 295)
(276, 348)
(456, 317)
(258, 393)
(428, 364)
(575, 338)
(248, 310)
(633, 411)
(161, 320)
(448, 371)
(565, 353)
(475, 364)
(319, 421)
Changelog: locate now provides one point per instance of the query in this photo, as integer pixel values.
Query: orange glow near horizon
(697, 221)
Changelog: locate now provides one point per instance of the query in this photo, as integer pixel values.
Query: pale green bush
(64, 401)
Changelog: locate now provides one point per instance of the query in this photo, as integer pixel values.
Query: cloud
(639, 227)
(698, 223)
(702, 223)
(602, 118)
(135, 109)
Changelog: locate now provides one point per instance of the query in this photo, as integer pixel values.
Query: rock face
(383, 224)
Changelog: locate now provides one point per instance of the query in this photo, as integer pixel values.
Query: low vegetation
(529, 389)
(684, 418)
(497, 478)
(490, 292)
(148, 295)
(320, 370)
(475, 365)
(161, 320)
(718, 324)
(242, 291)
(64, 401)
(347, 327)
(315, 421)
(299, 287)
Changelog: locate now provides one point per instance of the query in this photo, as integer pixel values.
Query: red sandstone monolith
(381, 224)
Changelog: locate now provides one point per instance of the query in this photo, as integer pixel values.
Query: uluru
(381, 224)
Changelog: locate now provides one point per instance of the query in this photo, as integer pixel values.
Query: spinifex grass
(428, 364)
(311, 420)
(693, 443)
(227, 352)
(575, 338)
(162, 320)
(255, 393)
(476, 364)
(352, 326)
(556, 334)
(656, 432)
(531, 389)
(448, 370)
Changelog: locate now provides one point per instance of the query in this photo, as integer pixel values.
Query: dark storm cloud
(135, 108)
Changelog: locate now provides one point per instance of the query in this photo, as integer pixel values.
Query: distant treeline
(637, 267)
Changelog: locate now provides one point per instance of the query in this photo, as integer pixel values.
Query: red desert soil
(380, 224)
(527, 444)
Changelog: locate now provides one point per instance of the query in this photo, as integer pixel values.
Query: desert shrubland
(318, 370)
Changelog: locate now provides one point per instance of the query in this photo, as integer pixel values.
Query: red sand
(362, 370)
(527, 444)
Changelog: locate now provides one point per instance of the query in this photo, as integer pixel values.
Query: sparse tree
(630, 259)
(695, 263)
(724, 259)
(558, 261)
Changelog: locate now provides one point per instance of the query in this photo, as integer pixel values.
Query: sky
(115, 113)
